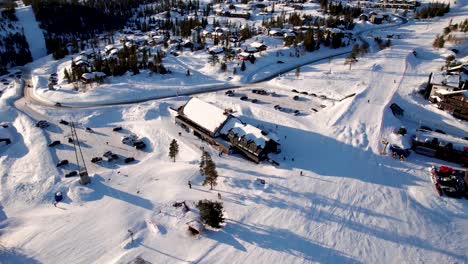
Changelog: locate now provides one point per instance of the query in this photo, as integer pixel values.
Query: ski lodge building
(225, 132)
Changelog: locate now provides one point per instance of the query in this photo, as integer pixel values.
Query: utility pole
(82, 170)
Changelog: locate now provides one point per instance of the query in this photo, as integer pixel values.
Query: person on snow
(189, 185)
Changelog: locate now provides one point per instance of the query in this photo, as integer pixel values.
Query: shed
(195, 227)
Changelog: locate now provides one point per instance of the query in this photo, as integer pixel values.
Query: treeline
(63, 20)
(433, 10)
(295, 19)
(127, 60)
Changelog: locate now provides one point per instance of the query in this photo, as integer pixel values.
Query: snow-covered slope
(32, 32)
(349, 205)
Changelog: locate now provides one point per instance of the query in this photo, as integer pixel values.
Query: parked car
(54, 143)
(314, 95)
(322, 97)
(88, 129)
(229, 93)
(4, 124)
(254, 101)
(42, 124)
(96, 159)
(244, 98)
(113, 157)
(58, 104)
(129, 159)
(115, 129)
(280, 62)
(130, 139)
(139, 145)
(294, 91)
(395, 149)
(259, 91)
(107, 154)
(277, 107)
(296, 98)
(439, 131)
(62, 163)
(71, 174)
(63, 122)
(305, 93)
(297, 112)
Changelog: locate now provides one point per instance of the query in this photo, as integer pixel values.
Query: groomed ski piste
(350, 205)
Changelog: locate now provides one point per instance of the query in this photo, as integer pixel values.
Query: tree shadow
(14, 256)
(327, 156)
(277, 239)
(100, 189)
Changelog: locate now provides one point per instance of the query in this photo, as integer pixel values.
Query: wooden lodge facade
(224, 132)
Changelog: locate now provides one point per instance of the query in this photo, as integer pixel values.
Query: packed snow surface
(34, 35)
(333, 198)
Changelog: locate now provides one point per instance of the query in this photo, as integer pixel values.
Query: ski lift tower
(82, 170)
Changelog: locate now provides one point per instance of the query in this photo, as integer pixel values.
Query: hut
(195, 227)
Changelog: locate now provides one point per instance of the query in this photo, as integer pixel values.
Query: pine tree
(173, 149)
(204, 158)
(66, 75)
(211, 175)
(211, 213)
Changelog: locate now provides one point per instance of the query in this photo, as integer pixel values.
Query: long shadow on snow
(13, 256)
(326, 156)
(100, 188)
(281, 240)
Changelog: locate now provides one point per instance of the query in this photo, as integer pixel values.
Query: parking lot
(292, 102)
(102, 147)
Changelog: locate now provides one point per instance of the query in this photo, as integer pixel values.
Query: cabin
(195, 227)
(376, 19)
(204, 120)
(226, 133)
(259, 46)
(249, 140)
(93, 77)
(455, 102)
(216, 50)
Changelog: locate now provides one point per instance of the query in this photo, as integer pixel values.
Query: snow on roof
(250, 132)
(204, 114)
(442, 78)
(92, 75)
(445, 92)
(216, 49)
(197, 225)
(257, 44)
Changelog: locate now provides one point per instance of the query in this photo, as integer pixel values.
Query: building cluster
(449, 90)
(225, 132)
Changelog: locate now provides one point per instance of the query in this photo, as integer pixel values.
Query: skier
(301, 173)
(130, 232)
(189, 185)
(219, 196)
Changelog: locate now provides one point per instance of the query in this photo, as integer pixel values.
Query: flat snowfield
(333, 198)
